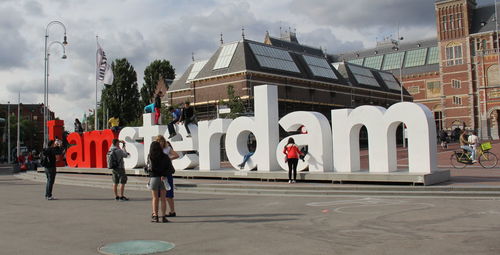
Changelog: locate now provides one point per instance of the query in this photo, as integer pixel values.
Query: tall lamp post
(396, 47)
(46, 75)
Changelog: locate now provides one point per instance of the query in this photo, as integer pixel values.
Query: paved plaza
(83, 219)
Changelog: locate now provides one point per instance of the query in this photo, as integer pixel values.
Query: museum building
(306, 79)
(456, 74)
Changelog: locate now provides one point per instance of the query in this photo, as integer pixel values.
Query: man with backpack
(115, 162)
(49, 163)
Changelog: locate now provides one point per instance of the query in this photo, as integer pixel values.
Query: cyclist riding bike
(469, 144)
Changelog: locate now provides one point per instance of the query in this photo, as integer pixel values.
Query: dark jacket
(161, 166)
(50, 153)
(157, 101)
(187, 114)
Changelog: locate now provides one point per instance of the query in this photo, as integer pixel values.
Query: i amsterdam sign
(332, 148)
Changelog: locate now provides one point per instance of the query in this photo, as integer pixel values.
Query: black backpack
(111, 160)
(45, 159)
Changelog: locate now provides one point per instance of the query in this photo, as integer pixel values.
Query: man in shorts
(119, 176)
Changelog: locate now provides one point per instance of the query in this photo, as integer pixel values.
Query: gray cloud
(33, 8)
(12, 45)
(363, 14)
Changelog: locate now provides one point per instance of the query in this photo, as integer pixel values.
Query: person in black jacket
(160, 166)
(50, 167)
(187, 117)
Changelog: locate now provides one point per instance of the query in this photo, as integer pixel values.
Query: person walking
(169, 151)
(78, 126)
(49, 163)
(118, 169)
(292, 152)
(161, 167)
(443, 136)
(158, 97)
(176, 116)
(187, 117)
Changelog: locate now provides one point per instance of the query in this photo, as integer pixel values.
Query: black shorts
(119, 176)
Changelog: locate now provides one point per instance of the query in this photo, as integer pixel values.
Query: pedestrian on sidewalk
(49, 163)
(161, 167)
(292, 153)
(443, 137)
(118, 168)
(172, 154)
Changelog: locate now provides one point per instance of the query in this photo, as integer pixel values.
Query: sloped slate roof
(295, 47)
(179, 84)
(483, 19)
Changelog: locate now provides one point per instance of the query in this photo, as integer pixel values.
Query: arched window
(493, 75)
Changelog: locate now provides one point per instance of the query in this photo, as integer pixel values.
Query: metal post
(18, 126)
(96, 68)
(8, 132)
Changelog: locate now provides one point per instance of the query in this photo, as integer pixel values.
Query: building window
(413, 90)
(454, 55)
(457, 100)
(393, 61)
(433, 89)
(445, 27)
(456, 84)
(35, 117)
(433, 56)
(374, 62)
(415, 57)
(451, 22)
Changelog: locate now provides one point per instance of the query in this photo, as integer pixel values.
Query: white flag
(103, 72)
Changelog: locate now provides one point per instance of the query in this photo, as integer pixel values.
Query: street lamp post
(8, 132)
(46, 75)
(396, 47)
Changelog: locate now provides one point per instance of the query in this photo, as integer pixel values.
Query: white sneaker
(289, 181)
(51, 198)
(293, 181)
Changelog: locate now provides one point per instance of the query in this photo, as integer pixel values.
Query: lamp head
(65, 42)
(64, 56)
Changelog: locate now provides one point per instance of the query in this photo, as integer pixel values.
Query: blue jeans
(51, 178)
(471, 150)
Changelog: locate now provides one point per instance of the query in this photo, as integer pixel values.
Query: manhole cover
(136, 247)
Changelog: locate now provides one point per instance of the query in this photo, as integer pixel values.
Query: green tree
(122, 97)
(152, 74)
(235, 103)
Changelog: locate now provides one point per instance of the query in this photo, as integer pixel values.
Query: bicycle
(487, 159)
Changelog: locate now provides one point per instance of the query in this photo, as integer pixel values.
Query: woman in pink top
(292, 153)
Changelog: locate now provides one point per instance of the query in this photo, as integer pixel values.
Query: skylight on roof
(433, 56)
(274, 58)
(320, 67)
(374, 62)
(415, 57)
(390, 81)
(393, 61)
(363, 76)
(225, 56)
(358, 61)
(197, 66)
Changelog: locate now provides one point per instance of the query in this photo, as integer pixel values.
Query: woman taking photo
(292, 153)
(161, 166)
(169, 151)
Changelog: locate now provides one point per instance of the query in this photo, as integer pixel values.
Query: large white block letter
(381, 125)
(210, 134)
(136, 158)
(265, 128)
(318, 139)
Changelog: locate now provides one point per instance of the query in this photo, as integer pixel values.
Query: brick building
(305, 78)
(456, 75)
(30, 112)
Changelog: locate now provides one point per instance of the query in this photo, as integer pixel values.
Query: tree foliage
(235, 103)
(122, 97)
(152, 74)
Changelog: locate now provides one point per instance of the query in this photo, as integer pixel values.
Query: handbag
(148, 169)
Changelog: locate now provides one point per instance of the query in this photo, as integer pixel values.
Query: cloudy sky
(145, 30)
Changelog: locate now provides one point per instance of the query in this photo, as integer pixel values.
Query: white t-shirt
(473, 140)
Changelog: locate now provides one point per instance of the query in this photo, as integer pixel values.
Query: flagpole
(96, 68)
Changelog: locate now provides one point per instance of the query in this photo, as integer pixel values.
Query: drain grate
(136, 247)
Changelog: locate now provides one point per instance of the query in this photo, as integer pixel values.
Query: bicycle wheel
(454, 161)
(488, 160)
